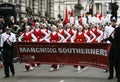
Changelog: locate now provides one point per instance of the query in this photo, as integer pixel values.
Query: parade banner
(88, 54)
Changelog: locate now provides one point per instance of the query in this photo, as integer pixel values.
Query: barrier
(90, 54)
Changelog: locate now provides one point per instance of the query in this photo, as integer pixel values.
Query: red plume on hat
(100, 16)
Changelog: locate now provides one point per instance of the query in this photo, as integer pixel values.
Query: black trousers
(8, 62)
(113, 64)
(8, 66)
(118, 79)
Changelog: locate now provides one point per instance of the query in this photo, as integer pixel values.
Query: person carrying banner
(97, 32)
(63, 32)
(114, 54)
(113, 63)
(55, 37)
(41, 34)
(46, 33)
(27, 36)
(89, 32)
(7, 43)
(80, 37)
(70, 31)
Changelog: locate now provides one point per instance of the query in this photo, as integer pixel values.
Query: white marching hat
(60, 24)
(114, 19)
(7, 28)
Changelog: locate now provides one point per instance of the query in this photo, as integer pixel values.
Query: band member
(89, 33)
(80, 37)
(41, 34)
(63, 32)
(70, 31)
(27, 36)
(75, 28)
(46, 33)
(98, 33)
(55, 37)
(7, 40)
(117, 51)
(113, 63)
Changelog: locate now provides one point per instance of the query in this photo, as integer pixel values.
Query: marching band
(73, 32)
(59, 33)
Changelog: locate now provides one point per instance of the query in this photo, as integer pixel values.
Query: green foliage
(29, 11)
(79, 6)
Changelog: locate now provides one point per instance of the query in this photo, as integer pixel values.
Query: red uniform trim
(54, 38)
(71, 33)
(96, 33)
(80, 38)
(27, 38)
(37, 34)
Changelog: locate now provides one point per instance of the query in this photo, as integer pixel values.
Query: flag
(72, 13)
(100, 16)
(66, 16)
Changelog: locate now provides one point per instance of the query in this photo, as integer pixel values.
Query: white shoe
(1, 65)
(31, 68)
(36, 65)
(52, 69)
(58, 66)
(25, 70)
(61, 65)
(78, 68)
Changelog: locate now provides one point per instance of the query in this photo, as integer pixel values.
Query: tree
(79, 6)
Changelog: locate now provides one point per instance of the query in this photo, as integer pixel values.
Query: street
(65, 74)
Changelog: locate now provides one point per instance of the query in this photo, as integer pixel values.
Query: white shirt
(76, 22)
(107, 32)
(5, 36)
(84, 20)
(72, 20)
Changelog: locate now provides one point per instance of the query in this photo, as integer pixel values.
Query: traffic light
(91, 9)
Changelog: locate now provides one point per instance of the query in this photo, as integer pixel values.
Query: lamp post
(78, 1)
(59, 6)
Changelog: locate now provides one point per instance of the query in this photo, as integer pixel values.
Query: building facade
(98, 5)
(40, 6)
(57, 7)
